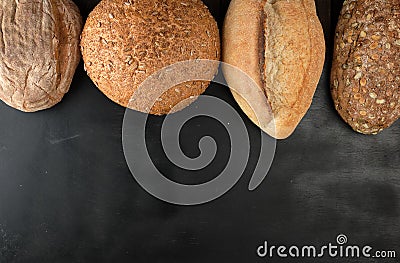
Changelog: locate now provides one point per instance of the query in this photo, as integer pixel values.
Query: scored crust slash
(280, 44)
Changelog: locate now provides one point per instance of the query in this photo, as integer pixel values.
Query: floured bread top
(39, 52)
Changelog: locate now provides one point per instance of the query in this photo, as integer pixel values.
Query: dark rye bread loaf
(39, 52)
(365, 79)
(125, 41)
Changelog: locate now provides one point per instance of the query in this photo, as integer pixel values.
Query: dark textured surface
(66, 194)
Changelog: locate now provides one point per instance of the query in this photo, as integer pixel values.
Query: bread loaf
(124, 42)
(365, 78)
(39, 52)
(280, 45)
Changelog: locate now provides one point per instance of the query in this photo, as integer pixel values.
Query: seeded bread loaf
(39, 52)
(365, 78)
(124, 42)
(280, 45)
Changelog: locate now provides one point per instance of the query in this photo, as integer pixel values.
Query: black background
(66, 194)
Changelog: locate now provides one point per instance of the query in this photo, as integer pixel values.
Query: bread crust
(365, 72)
(39, 52)
(125, 42)
(280, 44)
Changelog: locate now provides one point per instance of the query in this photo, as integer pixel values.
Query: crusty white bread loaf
(280, 45)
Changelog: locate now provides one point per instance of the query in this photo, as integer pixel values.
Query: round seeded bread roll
(125, 41)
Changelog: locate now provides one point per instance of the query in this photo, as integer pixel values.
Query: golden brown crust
(365, 72)
(124, 42)
(239, 52)
(294, 50)
(39, 52)
(287, 70)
